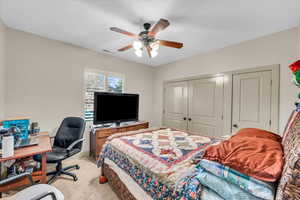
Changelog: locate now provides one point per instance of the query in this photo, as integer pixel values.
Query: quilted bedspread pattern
(159, 160)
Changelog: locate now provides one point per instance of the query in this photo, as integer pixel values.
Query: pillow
(261, 158)
(264, 190)
(289, 184)
(223, 188)
(189, 187)
(258, 133)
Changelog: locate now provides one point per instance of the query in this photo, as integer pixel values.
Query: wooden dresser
(98, 138)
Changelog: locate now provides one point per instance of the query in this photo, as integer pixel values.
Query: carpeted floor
(87, 187)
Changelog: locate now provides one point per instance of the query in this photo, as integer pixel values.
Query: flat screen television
(115, 107)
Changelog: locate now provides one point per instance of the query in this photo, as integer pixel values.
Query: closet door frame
(210, 122)
(228, 92)
(227, 81)
(185, 114)
(275, 87)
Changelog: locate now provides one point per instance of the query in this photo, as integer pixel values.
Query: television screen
(115, 107)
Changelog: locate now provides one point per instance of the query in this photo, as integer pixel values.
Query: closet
(195, 105)
(252, 98)
(217, 105)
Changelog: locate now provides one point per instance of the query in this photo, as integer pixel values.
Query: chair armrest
(13, 178)
(43, 195)
(74, 143)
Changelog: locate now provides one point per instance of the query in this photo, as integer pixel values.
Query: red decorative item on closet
(295, 66)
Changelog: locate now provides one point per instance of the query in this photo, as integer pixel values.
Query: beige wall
(279, 48)
(2, 69)
(45, 79)
(299, 41)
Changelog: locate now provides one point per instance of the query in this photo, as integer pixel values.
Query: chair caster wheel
(75, 179)
(77, 167)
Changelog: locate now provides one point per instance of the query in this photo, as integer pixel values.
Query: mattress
(131, 185)
(157, 161)
(167, 164)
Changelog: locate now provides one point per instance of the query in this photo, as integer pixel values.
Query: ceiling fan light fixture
(154, 53)
(137, 45)
(146, 39)
(155, 45)
(138, 52)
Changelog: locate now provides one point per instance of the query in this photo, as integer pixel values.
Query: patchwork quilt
(163, 151)
(167, 164)
(157, 159)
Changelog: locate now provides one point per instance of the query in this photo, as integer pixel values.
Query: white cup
(7, 146)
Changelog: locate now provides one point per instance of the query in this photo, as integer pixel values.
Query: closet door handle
(190, 119)
(235, 125)
(184, 118)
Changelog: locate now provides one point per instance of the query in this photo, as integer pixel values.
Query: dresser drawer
(100, 143)
(105, 133)
(132, 128)
(142, 126)
(120, 130)
(99, 138)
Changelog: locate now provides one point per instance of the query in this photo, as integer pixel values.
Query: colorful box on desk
(21, 122)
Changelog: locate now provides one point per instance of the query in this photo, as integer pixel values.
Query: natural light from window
(99, 81)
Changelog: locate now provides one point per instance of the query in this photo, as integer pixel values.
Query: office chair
(67, 143)
(34, 192)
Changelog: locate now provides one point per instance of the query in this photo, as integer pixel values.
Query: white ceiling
(202, 25)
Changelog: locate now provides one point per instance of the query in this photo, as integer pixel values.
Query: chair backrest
(70, 130)
(289, 184)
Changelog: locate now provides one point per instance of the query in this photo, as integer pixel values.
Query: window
(97, 81)
(115, 84)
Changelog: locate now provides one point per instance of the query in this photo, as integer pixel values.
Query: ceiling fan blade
(125, 48)
(118, 30)
(159, 26)
(149, 51)
(177, 45)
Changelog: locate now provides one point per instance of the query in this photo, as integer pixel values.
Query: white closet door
(206, 106)
(175, 105)
(252, 100)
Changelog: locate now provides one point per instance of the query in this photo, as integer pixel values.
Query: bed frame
(289, 183)
(116, 184)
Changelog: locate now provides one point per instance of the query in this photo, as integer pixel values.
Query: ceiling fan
(146, 39)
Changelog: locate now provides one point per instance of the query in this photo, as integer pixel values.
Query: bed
(140, 164)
